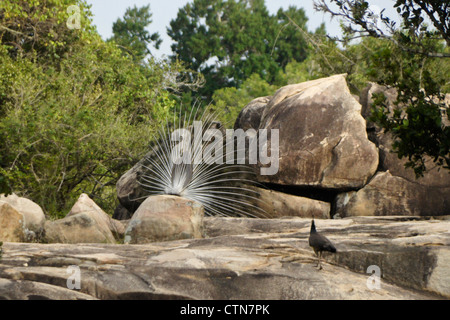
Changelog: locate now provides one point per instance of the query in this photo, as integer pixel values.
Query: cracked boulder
(323, 141)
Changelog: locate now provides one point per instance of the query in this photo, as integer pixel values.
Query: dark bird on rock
(319, 243)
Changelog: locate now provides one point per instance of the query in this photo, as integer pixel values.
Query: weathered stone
(366, 100)
(250, 115)
(86, 205)
(323, 139)
(248, 259)
(12, 224)
(85, 223)
(32, 212)
(164, 218)
(277, 204)
(410, 251)
(129, 191)
(388, 195)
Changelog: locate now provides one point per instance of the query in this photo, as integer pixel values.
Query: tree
(405, 58)
(413, 12)
(228, 102)
(75, 112)
(131, 33)
(229, 40)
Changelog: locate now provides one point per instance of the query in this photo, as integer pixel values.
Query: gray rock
(32, 290)
(129, 191)
(164, 218)
(395, 190)
(85, 223)
(246, 259)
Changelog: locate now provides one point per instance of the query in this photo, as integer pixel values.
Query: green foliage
(228, 41)
(417, 122)
(37, 29)
(75, 113)
(228, 102)
(130, 32)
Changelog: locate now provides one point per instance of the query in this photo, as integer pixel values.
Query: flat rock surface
(244, 259)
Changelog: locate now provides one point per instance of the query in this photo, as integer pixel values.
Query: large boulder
(164, 218)
(85, 223)
(323, 139)
(86, 205)
(33, 214)
(246, 259)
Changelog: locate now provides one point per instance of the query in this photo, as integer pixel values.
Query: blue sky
(107, 11)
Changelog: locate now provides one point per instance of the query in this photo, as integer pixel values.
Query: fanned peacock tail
(223, 189)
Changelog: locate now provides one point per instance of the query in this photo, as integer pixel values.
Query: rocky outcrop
(86, 205)
(324, 148)
(164, 218)
(77, 229)
(244, 259)
(323, 139)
